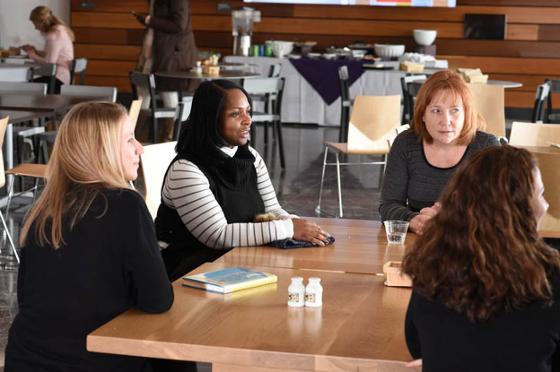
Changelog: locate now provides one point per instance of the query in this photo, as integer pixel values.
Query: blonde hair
(47, 22)
(86, 159)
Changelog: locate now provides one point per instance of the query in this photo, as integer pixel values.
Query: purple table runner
(322, 75)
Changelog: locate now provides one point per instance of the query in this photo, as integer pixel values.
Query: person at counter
(486, 288)
(217, 185)
(422, 159)
(89, 249)
(58, 45)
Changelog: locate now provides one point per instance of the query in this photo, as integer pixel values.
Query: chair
(345, 103)
(554, 88)
(134, 111)
(374, 120)
(147, 83)
(78, 71)
(46, 70)
(23, 88)
(274, 70)
(19, 74)
(409, 92)
(549, 163)
(103, 93)
(541, 101)
(490, 103)
(533, 134)
(3, 125)
(154, 163)
(271, 89)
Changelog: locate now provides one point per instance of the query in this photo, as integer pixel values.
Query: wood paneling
(110, 37)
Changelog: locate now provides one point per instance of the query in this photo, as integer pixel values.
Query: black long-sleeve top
(526, 340)
(110, 262)
(411, 183)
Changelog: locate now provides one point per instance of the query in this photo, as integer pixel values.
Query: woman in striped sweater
(217, 184)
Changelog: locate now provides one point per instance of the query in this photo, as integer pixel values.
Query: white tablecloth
(302, 104)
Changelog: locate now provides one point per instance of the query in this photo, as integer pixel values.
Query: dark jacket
(174, 45)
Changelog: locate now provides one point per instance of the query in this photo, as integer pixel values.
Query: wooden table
(359, 327)
(360, 247)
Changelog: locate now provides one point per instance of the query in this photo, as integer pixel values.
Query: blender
(242, 27)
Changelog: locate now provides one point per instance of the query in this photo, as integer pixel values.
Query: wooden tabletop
(359, 326)
(542, 149)
(224, 74)
(360, 247)
(50, 102)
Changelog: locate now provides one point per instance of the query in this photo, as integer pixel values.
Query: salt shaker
(314, 293)
(296, 292)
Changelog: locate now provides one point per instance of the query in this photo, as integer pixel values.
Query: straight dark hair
(201, 131)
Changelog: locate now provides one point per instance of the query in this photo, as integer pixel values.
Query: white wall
(15, 27)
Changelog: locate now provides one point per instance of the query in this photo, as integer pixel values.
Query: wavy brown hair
(481, 254)
(452, 83)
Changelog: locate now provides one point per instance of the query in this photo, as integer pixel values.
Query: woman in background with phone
(58, 46)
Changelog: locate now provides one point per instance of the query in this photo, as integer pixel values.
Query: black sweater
(526, 340)
(108, 264)
(411, 183)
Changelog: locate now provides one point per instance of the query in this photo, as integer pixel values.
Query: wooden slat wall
(110, 37)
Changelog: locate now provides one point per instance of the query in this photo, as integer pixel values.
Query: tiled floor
(297, 187)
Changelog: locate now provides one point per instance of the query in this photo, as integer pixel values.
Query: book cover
(229, 280)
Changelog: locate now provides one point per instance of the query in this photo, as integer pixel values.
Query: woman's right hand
(418, 222)
(309, 231)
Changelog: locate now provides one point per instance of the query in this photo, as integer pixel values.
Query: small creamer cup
(396, 231)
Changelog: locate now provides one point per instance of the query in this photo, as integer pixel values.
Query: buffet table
(302, 104)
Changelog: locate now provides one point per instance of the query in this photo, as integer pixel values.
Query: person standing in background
(169, 46)
(58, 45)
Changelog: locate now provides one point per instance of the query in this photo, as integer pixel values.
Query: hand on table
(414, 363)
(310, 232)
(418, 222)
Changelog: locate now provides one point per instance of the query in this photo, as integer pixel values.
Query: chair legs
(338, 181)
(12, 245)
(318, 207)
(278, 126)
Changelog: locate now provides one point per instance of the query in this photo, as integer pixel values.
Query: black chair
(345, 103)
(554, 88)
(409, 96)
(542, 97)
(78, 71)
(272, 89)
(147, 83)
(47, 71)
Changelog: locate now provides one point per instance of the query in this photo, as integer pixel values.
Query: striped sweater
(187, 190)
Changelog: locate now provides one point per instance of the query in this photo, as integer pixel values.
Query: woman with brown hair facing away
(486, 288)
(58, 45)
(445, 132)
(89, 249)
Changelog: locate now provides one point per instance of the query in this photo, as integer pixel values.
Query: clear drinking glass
(396, 231)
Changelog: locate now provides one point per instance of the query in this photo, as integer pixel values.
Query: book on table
(229, 280)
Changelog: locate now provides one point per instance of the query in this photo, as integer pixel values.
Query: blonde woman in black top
(89, 250)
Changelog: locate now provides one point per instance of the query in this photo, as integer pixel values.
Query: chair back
(23, 88)
(409, 96)
(549, 164)
(345, 102)
(78, 71)
(144, 82)
(17, 74)
(47, 70)
(533, 134)
(541, 98)
(103, 93)
(489, 101)
(373, 121)
(154, 162)
(274, 70)
(134, 111)
(270, 88)
(3, 126)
